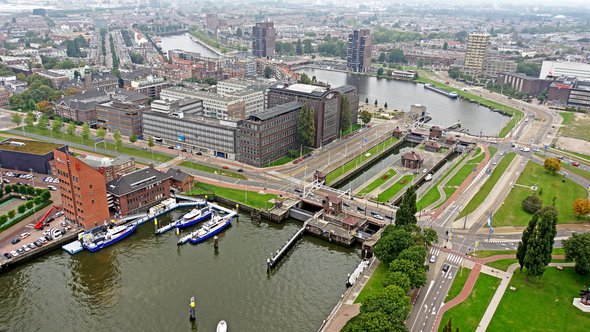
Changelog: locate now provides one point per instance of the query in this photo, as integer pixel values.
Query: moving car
(575, 164)
(446, 267)
(15, 240)
(432, 259)
(225, 167)
(240, 170)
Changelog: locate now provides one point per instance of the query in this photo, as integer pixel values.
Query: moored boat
(104, 236)
(210, 228)
(222, 326)
(191, 218)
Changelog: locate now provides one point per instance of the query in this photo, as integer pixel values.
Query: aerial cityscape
(184, 165)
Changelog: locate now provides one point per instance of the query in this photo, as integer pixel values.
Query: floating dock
(228, 213)
(441, 91)
(73, 247)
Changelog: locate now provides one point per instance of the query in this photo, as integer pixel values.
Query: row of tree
(402, 247)
(299, 48)
(39, 90)
(40, 197)
(73, 47)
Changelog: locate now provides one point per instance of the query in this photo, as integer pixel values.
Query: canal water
(184, 42)
(144, 283)
(401, 95)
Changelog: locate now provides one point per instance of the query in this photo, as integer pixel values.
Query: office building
(214, 105)
(528, 85)
(150, 86)
(358, 57)
(136, 192)
(24, 155)
(82, 189)
(571, 69)
(475, 56)
(186, 106)
(120, 115)
(267, 136)
(110, 168)
(194, 133)
(493, 67)
(263, 40)
(324, 101)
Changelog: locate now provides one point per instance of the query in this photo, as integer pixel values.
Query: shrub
(532, 204)
(3, 219)
(21, 208)
(10, 214)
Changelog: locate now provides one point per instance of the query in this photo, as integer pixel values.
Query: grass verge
(250, 198)
(432, 195)
(212, 170)
(458, 283)
(553, 186)
(542, 304)
(395, 188)
(375, 283)
(378, 182)
(360, 159)
(467, 315)
(485, 189)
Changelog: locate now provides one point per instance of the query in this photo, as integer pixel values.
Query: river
(401, 95)
(144, 283)
(184, 42)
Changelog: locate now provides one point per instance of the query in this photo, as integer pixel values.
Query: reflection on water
(184, 42)
(145, 283)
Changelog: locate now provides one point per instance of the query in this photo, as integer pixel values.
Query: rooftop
(275, 111)
(26, 146)
(134, 181)
(96, 162)
(305, 88)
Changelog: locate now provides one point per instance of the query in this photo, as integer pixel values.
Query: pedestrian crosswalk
(452, 258)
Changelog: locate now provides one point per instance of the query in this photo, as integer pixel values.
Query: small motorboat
(222, 326)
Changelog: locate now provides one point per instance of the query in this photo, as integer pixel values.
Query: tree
(71, 128)
(582, 207)
(367, 100)
(380, 71)
(307, 46)
(151, 144)
(17, 119)
(30, 205)
(43, 106)
(415, 254)
(118, 144)
(522, 245)
(21, 208)
(71, 91)
(85, 132)
(381, 58)
(30, 119)
(397, 56)
(10, 214)
(417, 274)
(133, 138)
(345, 114)
(406, 214)
(306, 126)
(445, 46)
(366, 117)
(267, 72)
(43, 122)
(552, 165)
(577, 248)
(398, 279)
(540, 242)
(304, 79)
(57, 125)
(299, 47)
(392, 243)
(532, 204)
(117, 134)
(390, 300)
(101, 133)
(385, 105)
(369, 322)
(376, 103)
(239, 33)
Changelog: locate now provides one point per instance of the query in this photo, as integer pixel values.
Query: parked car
(48, 237)
(52, 188)
(32, 245)
(14, 253)
(42, 240)
(446, 267)
(20, 251)
(378, 217)
(360, 208)
(55, 180)
(171, 147)
(26, 248)
(5, 180)
(50, 219)
(199, 153)
(38, 243)
(24, 235)
(346, 204)
(15, 240)
(59, 214)
(7, 255)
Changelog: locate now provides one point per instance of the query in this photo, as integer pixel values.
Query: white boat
(222, 326)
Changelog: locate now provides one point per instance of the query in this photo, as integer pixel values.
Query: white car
(59, 214)
(48, 179)
(52, 188)
(432, 259)
(24, 235)
(14, 253)
(378, 217)
(56, 180)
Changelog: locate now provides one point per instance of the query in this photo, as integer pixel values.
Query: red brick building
(82, 189)
(180, 180)
(136, 192)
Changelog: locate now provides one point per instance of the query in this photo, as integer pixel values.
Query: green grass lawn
(485, 189)
(432, 195)
(378, 182)
(109, 146)
(354, 127)
(388, 193)
(375, 283)
(542, 304)
(511, 212)
(250, 198)
(488, 253)
(577, 170)
(211, 169)
(458, 283)
(467, 169)
(360, 159)
(516, 114)
(467, 315)
(286, 159)
(575, 125)
(502, 264)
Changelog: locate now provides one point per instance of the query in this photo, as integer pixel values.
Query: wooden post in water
(155, 225)
(216, 242)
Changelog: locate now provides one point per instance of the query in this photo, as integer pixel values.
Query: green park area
(513, 112)
(458, 283)
(353, 128)
(433, 195)
(462, 174)
(360, 159)
(575, 125)
(568, 166)
(377, 182)
(107, 145)
(552, 188)
(541, 304)
(212, 170)
(485, 189)
(250, 198)
(375, 283)
(467, 315)
(395, 188)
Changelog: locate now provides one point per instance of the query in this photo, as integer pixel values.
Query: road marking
(424, 300)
